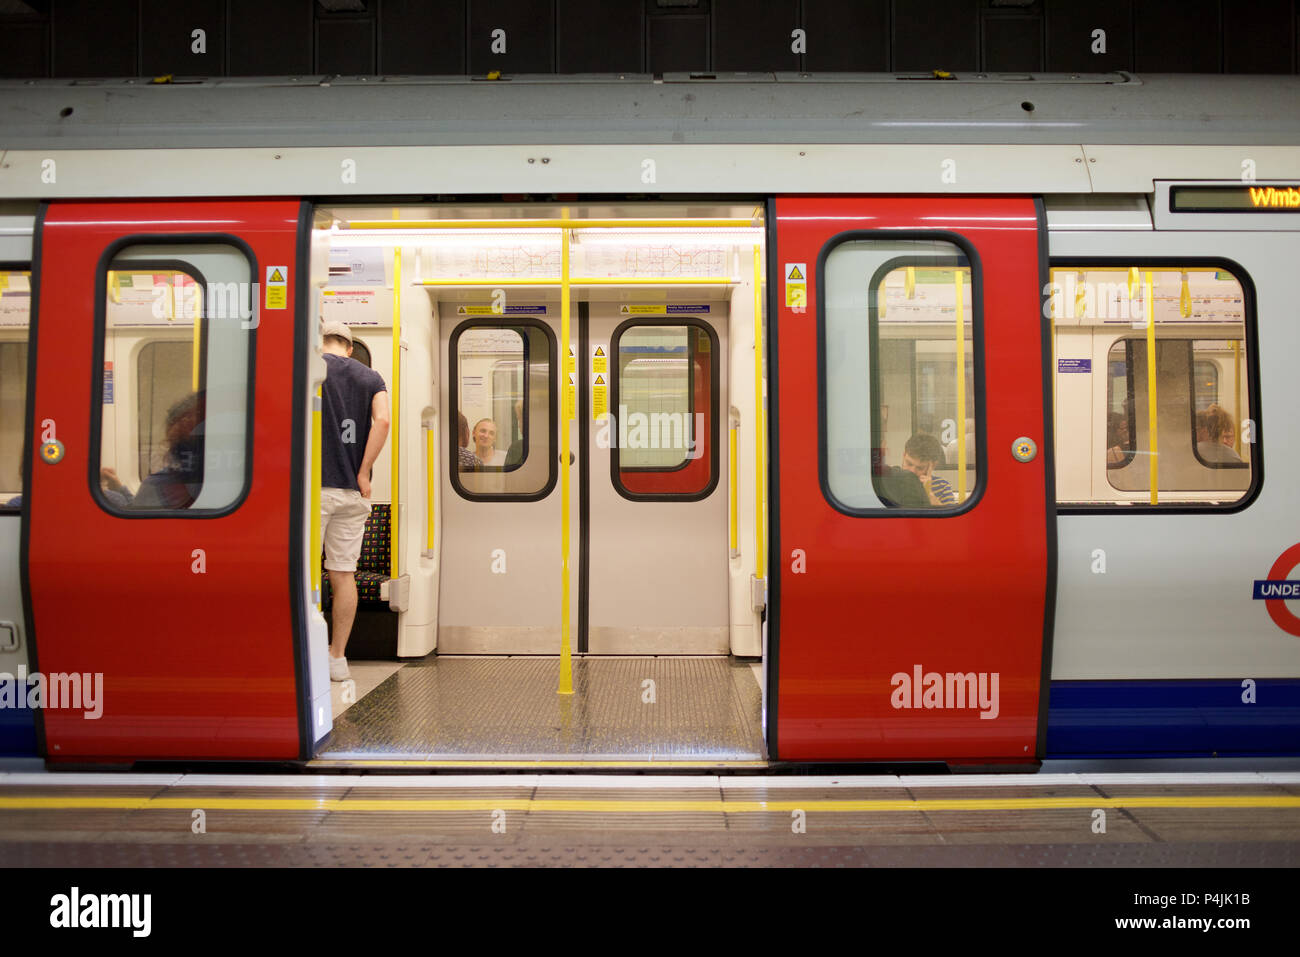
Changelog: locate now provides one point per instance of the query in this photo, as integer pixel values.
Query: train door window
(361, 352)
(901, 398)
(176, 324)
(1200, 445)
(664, 397)
(15, 324)
(502, 382)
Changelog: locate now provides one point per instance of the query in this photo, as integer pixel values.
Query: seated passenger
(899, 488)
(469, 462)
(178, 485)
(950, 448)
(1117, 444)
(920, 455)
(485, 437)
(1217, 448)
(115, 491)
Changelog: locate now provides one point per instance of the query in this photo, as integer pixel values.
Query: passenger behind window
(515, 454)
(114, 489)
(1220, 434)
(950, 448)
(920, 456)
(469, 462)
(1117, 440)
(485, 437)
(177, 485)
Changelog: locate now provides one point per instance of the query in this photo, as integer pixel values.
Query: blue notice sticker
(525, 310)
(1266, 590)
(1073, 365)
(108, 384)
(678, 308)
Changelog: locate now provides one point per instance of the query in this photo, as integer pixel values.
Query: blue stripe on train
(17, 733)
(1173, 718)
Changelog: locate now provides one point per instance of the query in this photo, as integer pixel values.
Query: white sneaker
(339, 669)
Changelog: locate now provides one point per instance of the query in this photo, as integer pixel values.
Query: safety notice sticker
(277, 287)
(599, 396)
(796, 285)
(571, 398)
(599, 361)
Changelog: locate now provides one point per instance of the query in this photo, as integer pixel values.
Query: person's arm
(378, 435)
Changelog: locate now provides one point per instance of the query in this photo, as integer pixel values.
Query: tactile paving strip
(554, 853)
(702, 708)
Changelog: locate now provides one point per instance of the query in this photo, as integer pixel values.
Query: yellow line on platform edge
(618, 806)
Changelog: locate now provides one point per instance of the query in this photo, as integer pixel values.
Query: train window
(15, 320)
(663, 397)
(361, 352)
(502, 383)
(1189, 426)
(176, 326)
(901, 394)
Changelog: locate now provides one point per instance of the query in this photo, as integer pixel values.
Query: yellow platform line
(630, 806)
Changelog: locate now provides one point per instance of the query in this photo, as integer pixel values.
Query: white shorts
(343, 514)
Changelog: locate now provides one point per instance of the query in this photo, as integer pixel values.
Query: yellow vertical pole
(566, 659)
(1153, 469)
(960, 314)
(732, 517)
(431, 478)
(1236, 395)
(314, 558)
(396, 433)
(195, 377)
(760, 426)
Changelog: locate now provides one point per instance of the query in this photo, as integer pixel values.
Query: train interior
(457, 647)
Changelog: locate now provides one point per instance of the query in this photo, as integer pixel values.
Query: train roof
(717, 109)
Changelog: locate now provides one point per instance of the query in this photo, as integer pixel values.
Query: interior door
(658, 503)
(911, 470)
(162, 540)
(501, 533)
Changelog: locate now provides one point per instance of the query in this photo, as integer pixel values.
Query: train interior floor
(507, 708)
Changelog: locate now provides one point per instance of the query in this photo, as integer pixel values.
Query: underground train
(935, 409)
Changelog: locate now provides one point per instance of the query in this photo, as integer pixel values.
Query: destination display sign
(1234, 199)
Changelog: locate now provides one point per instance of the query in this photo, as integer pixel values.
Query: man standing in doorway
(354, 427)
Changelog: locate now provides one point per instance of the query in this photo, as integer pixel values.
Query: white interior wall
(746, 633)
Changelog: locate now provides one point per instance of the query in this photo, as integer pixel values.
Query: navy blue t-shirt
(346, 396)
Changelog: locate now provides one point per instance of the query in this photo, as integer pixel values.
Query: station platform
(1055, 820)
(449, 711)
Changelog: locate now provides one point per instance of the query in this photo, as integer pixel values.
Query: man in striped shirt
(920, 456)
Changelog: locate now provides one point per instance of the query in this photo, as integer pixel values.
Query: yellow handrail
(432, 481)
(961, 385)
(563, 223)
(1153, 468)
(733, 531)
(566, 661)
(1236, 395)
(760, 422)
(584, 281)
(394, 459)
(315, 498)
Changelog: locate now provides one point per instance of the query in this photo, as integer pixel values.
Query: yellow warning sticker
(477, 311)
(571, 398)
(796, 285)
(571, 363)
(277, 287)
(599, 361)
(599, 396)
(649, 309)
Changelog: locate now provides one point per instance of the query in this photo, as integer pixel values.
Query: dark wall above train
(192, 38)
